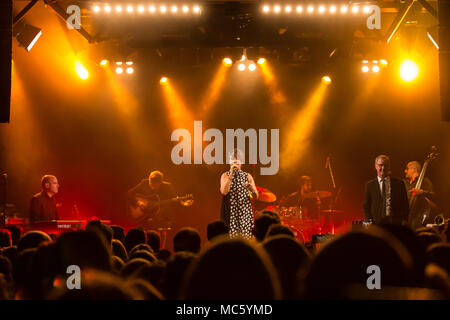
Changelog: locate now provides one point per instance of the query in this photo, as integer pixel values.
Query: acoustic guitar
(148, 207)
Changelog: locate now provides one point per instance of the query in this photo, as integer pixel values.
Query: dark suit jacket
(373, 202)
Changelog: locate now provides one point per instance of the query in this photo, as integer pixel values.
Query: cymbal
(315, 194)
(265, 195)
(331, 211)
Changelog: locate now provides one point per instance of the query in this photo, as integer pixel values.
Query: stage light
(310, 9)
(185, 9)
(299, 9)
(81, 70)
(321, 9)
(104, 62)
(375, 69)
(383, 62)
(129, 63)
(241, 67)
(261, 61)
(374, 61)
(326, 79)
(408, 70)
(119, 9)
(277, 9)
(266, 9)
(152, 9)
(96, 9)
(252, 67)
(141, 9)
(366, 9)
(130, 70)
(333, 9)
(174, 9)
(119, 70)
(27, 35)
(196, 9)
(227, 61)
(119, 63)
(365, 69)
(355, 9)
(432, 40)
(344, 9)
(365, 61)
(129, 9)
(107, 9)
(163, 80)
(163, 9)
(288, 9)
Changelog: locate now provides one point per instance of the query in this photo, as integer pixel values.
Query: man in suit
(385, 199)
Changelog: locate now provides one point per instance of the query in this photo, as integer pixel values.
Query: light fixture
(81, 70)
(252, 67)
(119, 70)
(227, 61)
(27, 35)
(241, 67)
(326, 79)
(409, 70)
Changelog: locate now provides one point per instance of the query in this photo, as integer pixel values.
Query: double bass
(413, 202)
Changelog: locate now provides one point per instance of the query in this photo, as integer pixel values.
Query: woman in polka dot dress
(236, 187)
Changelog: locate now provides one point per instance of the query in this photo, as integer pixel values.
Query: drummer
(304, 198)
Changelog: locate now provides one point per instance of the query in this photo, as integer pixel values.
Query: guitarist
(424, 195)
(152, 190)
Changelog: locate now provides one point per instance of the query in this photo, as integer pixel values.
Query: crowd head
(114, 264)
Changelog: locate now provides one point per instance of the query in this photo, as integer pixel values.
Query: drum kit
(294, 217)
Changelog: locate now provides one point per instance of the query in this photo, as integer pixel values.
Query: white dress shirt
(387, 185)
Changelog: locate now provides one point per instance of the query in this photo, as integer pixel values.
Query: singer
(237, 188)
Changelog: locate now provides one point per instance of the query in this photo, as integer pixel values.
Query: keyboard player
(44, 206)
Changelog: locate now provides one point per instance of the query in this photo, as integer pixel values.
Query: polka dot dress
(241, 211)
